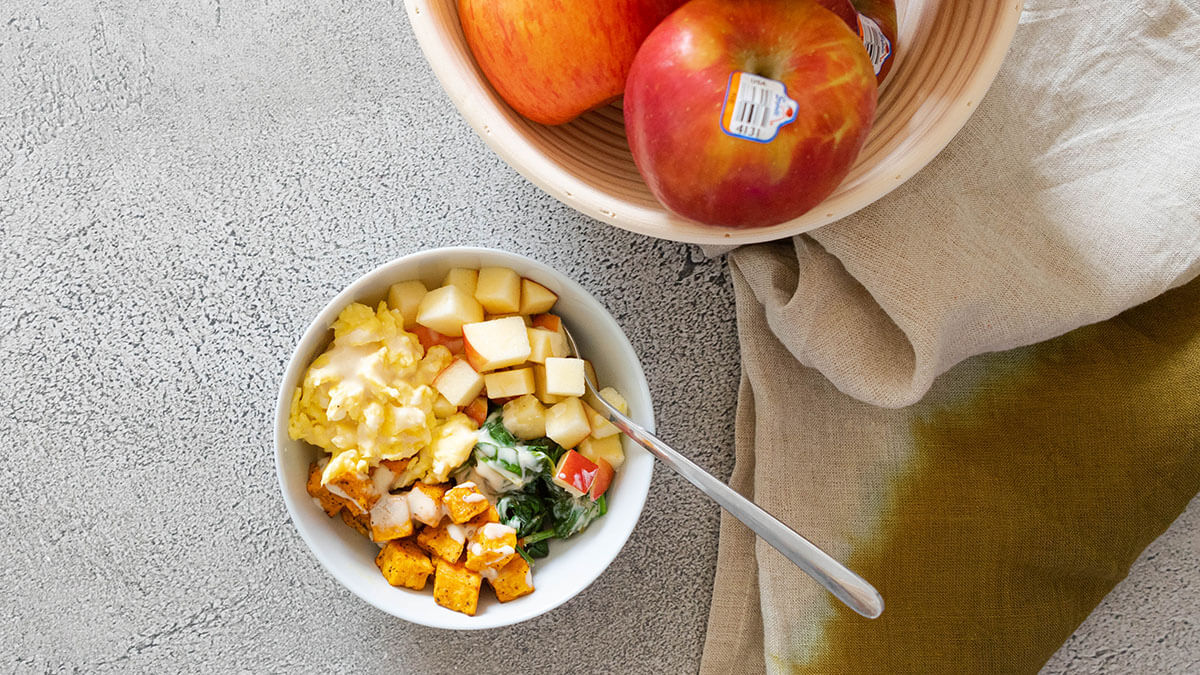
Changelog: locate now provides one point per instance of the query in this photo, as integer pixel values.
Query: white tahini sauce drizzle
(424, 508)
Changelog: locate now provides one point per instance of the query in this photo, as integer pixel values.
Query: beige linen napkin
(996, 512)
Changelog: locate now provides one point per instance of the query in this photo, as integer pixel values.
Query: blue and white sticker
(756, 107)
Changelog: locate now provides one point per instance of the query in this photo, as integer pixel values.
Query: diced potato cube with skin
(498, 290)
(390, 518)
(539, 386)
(492, 545)
(615, 399)
(445, 541)
(330, 503)
(459, 383)
(443, 408)
(601, 427)
(509, 383)
(464, 501)
(536, 298)
(463, 278)
(542, 345)
(403, 563)
(446, 309)
(451, 445)
(525, 417)
(359, 522)
(564, 377)
(608, 448)
(456, 587)
(511, 581)
(425, 502)
(495, 344)
(567, 424)
(405, 297)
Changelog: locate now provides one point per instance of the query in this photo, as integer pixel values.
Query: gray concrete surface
(182, 186)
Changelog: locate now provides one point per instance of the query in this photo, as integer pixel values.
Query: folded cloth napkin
(997, 511)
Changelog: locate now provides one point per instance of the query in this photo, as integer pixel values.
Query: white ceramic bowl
(572, 564)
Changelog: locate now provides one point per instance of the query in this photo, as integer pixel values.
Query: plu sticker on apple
(756, 107)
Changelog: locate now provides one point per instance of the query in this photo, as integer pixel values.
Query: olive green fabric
(992, 516)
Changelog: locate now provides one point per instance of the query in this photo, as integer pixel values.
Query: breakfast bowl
(572, 564)
(948, 54)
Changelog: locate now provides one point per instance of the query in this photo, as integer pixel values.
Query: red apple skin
(553, 60)
(429, 337)
(884, 14)
(604, 476)
(675, 96)
(477, 410)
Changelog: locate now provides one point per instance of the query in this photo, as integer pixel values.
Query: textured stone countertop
(182, 186)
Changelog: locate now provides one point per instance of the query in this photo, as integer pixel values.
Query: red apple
(604, 476)
(429, 337)
(881, 37)
(747, 113)
(553, 60)
(477, 410)
(575, 473)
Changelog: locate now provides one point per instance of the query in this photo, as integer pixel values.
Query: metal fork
(844, 584)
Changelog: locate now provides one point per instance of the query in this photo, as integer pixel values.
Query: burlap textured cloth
(995, 505)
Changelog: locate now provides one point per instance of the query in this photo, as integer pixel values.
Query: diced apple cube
(601, 427)
(604, 478)
(575, 473)
(459, 383)
(406, 297)
(539, 386)
(496, 344)
(566, 423)
(446, 309)
(548, 321)
(609, 449)
(542, 345)
(525, 417)
(509, 383)
(443, 408)
(536, 298)
(430, 338)
(477, 410)
(464, 278)
(590, 373)
(615, 399)
(498, 290)
(564, 377)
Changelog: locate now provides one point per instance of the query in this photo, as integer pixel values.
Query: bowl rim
(321, 323)
(482, 111)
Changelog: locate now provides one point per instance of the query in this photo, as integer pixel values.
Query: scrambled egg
(369, 398)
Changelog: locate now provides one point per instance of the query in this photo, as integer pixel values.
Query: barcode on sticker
(879, 48)
(756, 107)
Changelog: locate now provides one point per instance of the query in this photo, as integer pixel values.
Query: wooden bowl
(948, 54)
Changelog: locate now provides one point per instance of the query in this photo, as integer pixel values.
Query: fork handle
(844, 584)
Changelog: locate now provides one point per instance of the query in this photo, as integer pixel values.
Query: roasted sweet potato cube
(445, 541)
(328, 501)
(511, 581)
(492, 545)
(456, 587)
(425, 502)
(403, 563)
(464, 502)
(491, 515)
(357, 487)
(359, 522)
(390, 518)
